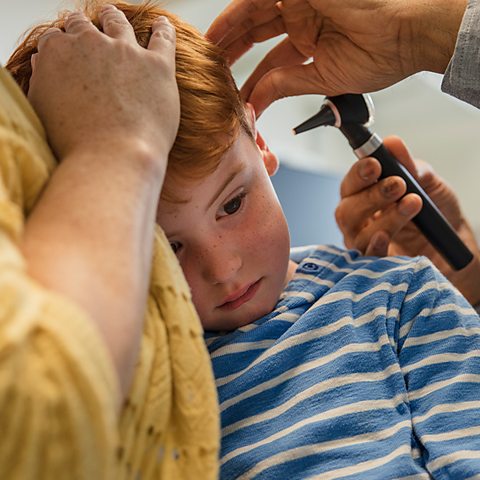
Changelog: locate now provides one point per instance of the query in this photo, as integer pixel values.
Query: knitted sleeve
(57, 386)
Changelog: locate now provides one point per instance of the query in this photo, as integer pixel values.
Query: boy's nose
(220, 264)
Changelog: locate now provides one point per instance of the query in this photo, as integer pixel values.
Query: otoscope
(353, 114)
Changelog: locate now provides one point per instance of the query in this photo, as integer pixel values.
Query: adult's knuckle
(392, 222)
(344, 186)
(340, 217)
(270, 60)
(89, 35)
(167, 35)
(49, 40)
(373, 196)
(247, 39)
(114, 22)
(271, 80)
(247, 24)
(76, 23)
(360, 242)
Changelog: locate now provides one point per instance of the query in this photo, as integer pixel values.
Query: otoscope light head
(336, 111)
(371, 109)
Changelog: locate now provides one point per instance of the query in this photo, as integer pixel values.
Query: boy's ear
(270, 160)
(251, 118)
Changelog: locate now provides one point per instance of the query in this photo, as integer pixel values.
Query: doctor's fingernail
(390, 188)
(366, 171)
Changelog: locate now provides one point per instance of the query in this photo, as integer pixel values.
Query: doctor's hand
(375, 219)
(357, 46)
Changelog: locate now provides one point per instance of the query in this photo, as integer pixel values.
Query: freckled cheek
(267, 231)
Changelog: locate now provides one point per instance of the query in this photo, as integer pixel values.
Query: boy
(330, 365)
(333, 365)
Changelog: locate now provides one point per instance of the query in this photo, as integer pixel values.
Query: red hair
(212, 112)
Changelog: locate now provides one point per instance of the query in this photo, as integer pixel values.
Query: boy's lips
(240, 297)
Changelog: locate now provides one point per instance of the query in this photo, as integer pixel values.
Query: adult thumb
(284, 82)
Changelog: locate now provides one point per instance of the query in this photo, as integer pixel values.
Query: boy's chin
(238, 319)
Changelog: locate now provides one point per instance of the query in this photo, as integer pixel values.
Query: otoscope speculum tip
(325, 117)
(342, 109)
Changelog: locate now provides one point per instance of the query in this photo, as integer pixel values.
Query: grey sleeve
(462, 77)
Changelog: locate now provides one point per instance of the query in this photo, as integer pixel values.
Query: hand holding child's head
(85, 84)
(217, 205)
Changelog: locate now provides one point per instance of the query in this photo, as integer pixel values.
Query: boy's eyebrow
(225, 184)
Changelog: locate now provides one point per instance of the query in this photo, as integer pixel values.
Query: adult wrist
(134, 151)
(433, 30)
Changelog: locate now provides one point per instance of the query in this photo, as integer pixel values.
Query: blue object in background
(309, 200)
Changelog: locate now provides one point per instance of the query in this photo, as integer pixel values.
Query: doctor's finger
(354, 211)
(283, 54)
(239, 17)
(362, 174)
(255, 35)
(284, 82)
(379, 244)
(374, 238)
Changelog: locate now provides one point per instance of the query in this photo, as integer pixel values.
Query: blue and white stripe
(366, 369)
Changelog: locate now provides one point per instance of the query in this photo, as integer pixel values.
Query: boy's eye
(234, 204)
(175, 246)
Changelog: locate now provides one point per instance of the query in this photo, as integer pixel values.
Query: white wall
(18, 15)
(437, 128)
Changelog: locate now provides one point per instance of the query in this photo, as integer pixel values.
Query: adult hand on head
(357, 45)
(374, 216)
(92, 88)
(111, 112)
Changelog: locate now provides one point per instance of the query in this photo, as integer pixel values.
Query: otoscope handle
(352, 114)
(429, 220)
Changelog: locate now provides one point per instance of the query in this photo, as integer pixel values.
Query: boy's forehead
(202, 193)
(234, 160)
(213, 182)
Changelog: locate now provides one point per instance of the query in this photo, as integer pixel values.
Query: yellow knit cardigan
(57, 386)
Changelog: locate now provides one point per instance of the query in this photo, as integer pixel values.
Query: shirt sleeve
(462, 77)
(58, 391)
(439, 353)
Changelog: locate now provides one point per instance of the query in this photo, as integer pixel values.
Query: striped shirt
(366, 369)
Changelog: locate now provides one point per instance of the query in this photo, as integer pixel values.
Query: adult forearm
(90, 238)
(432, 28)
